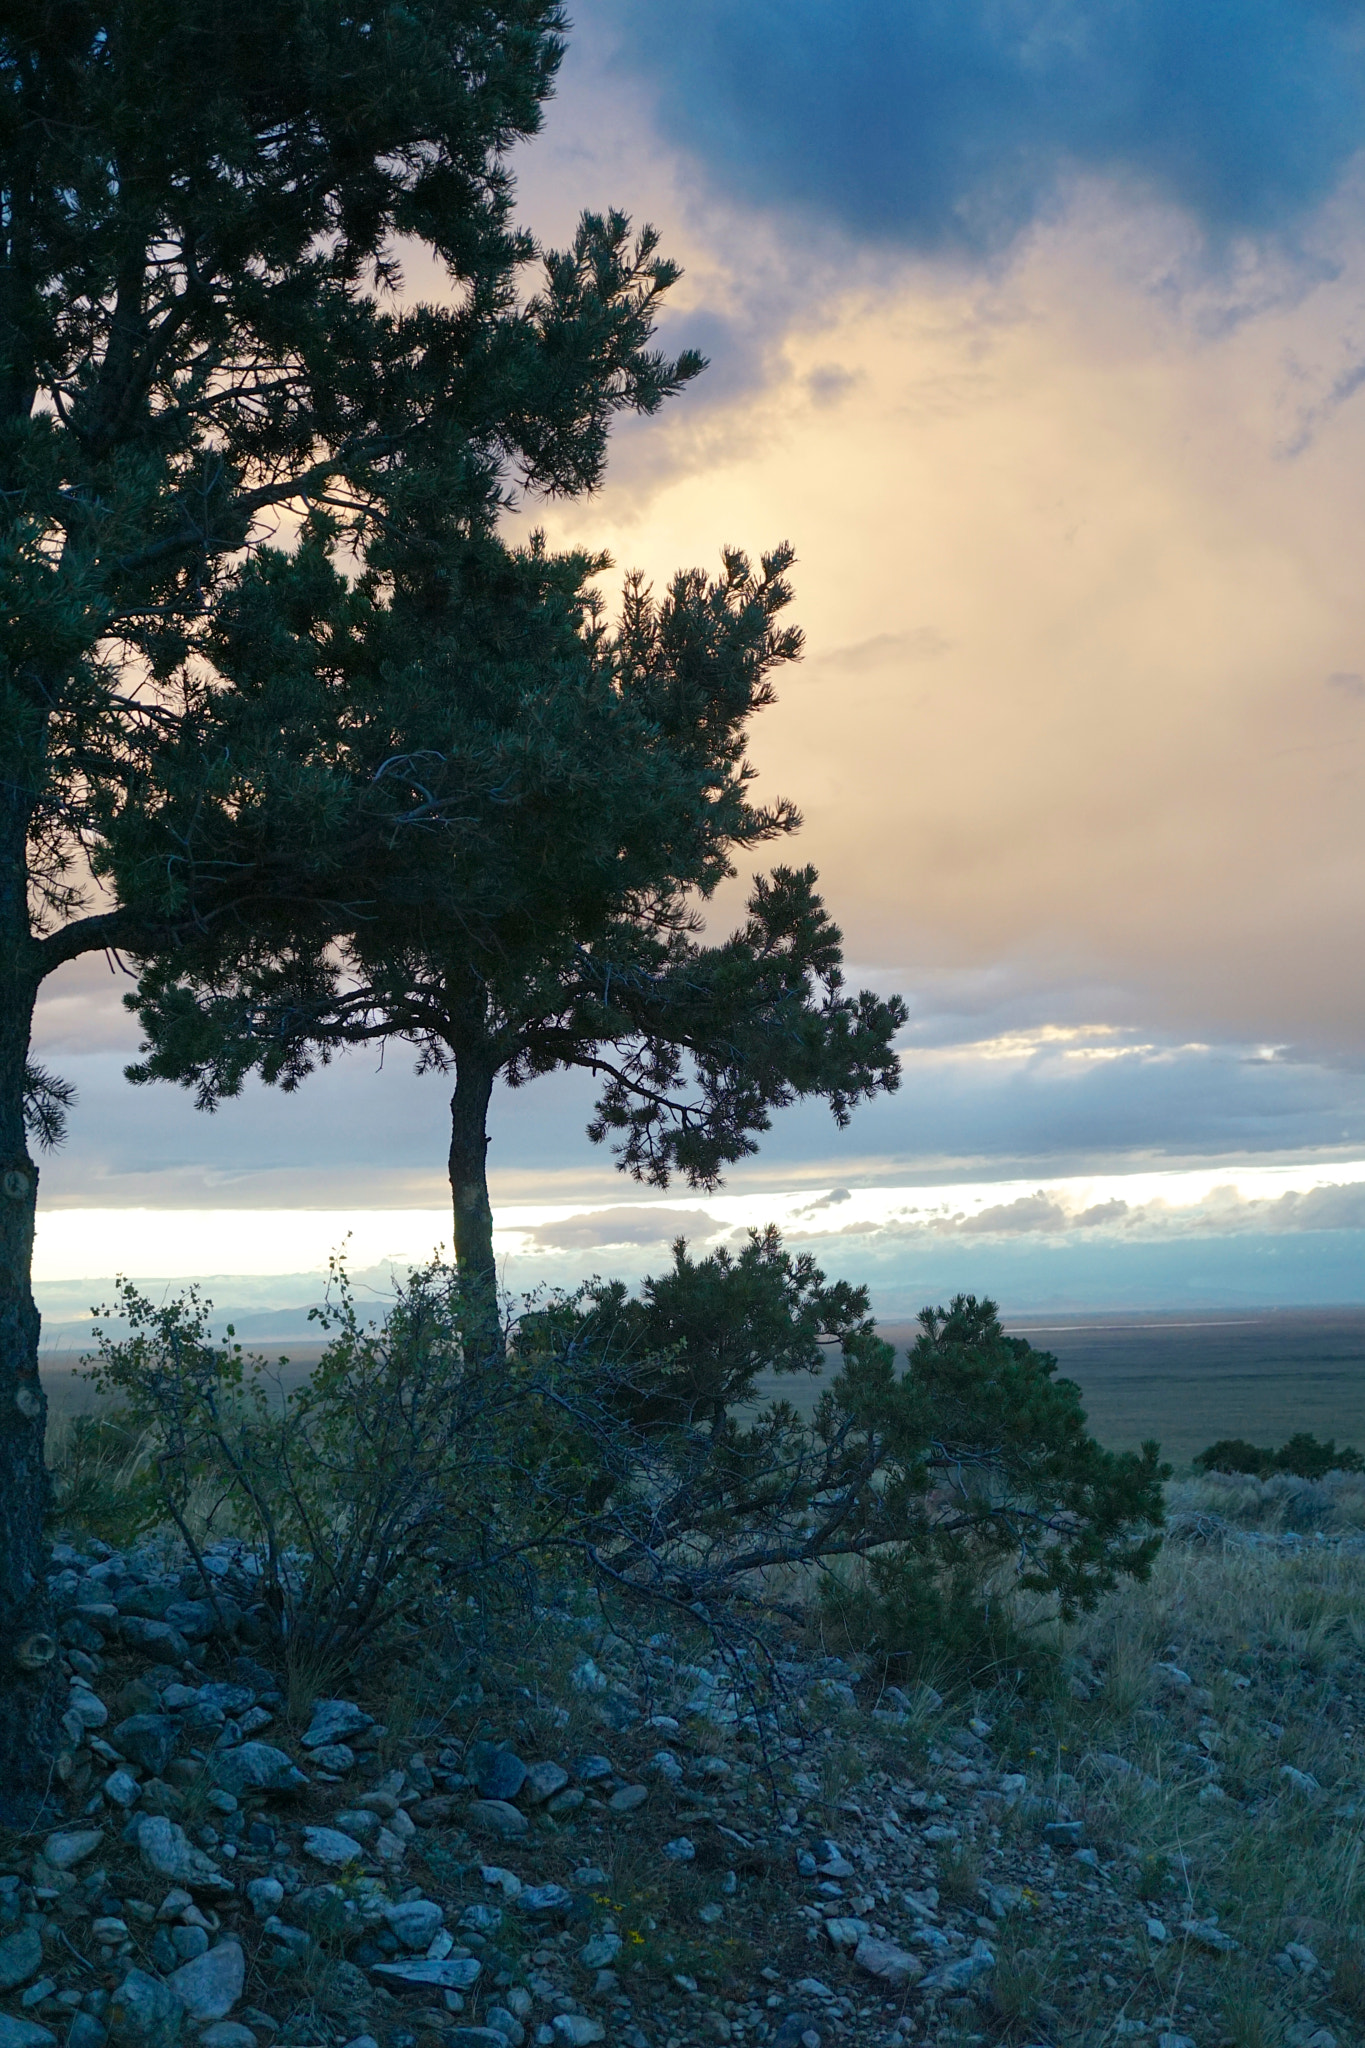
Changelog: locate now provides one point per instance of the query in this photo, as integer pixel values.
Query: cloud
(947, 127)
(1009, 1219)
(883, 650)
(1221, 1212)
(643, 1226)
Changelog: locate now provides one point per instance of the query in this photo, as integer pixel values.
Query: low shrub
(990, 1485)
(1303, 1457)
(413, 1470)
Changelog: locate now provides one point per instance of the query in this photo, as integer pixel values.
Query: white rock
(167, 1852)
(25, 2034)
(883, 1960)
(21, 1957)
(211, 1985)
(576, 2030)
(542, 1781)
(227, 2034)
(264, 1896)
(415, 1923)
(64, 1852)
(335, 1721)
(496, 1817)
(457, 1974)
(331, 1846)
(256, 1767)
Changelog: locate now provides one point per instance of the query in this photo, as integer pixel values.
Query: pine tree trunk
(29, 1668)
(469, 1196)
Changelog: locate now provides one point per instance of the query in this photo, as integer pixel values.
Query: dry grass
(1335, 1505)
(1273, 1640)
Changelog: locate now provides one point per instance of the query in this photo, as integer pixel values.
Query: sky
(1039, 330)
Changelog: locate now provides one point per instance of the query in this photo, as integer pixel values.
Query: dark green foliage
(1303, 1456)
(199, 202)
(986, 1470)
(414, 1468)
(1235, 1454)
(47, 1098)
(202, 212)
(971, 1466)
(399, 1473)
(693, 1342)
(482, 820)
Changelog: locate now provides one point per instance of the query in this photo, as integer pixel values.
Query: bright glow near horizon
(189, 1244)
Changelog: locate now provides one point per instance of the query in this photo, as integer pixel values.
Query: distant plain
(1183, 1379)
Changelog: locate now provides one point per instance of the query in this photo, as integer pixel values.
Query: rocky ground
(589, 1839)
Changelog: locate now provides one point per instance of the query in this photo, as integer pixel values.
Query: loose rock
(145, 2013)
(25, 2034)
(458, 1974)
(255, 1767)
(21, 1957)
(415, 1923)
(64, 1852)
(335, 1721)
(331, 1846)
(882, 1959)
(542, 1782)
(211, 1985)
(167, 1852)
(148, 1740)
(496, 1817)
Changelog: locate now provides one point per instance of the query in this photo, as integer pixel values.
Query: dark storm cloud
(946, 126)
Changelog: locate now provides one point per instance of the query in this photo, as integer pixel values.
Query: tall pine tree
(201, 214)
(487, 822)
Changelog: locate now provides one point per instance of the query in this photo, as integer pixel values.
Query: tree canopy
(203, 217)
(487, 819)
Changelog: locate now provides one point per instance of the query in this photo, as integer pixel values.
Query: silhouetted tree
(201, 209)
(525, 809)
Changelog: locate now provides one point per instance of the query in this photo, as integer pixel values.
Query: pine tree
(487, 822)
(201, 214)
